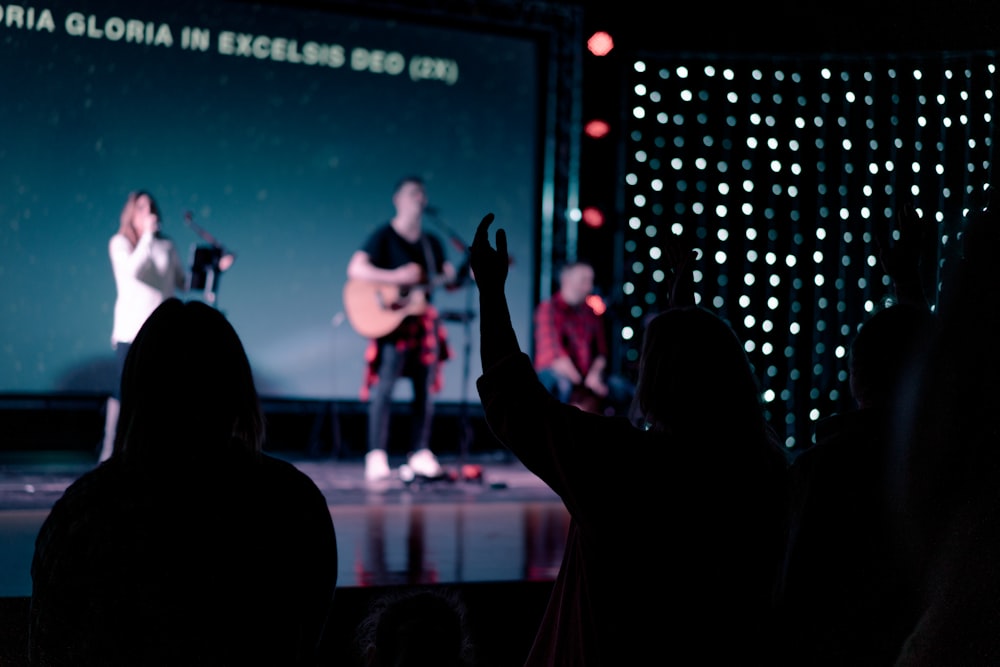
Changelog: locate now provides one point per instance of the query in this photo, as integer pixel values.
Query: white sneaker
(377, 465)
(423, 462)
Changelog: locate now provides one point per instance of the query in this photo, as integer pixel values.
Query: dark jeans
(393, 366)
(617, 402)
(121, 351)
(557, 385)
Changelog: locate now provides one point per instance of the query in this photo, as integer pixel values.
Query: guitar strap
(432, 281)
(432, 272)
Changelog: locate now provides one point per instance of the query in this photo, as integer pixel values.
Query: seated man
(571, 348)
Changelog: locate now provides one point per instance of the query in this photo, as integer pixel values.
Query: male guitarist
(400, 263)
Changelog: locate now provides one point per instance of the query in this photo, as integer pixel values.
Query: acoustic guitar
(376, 309)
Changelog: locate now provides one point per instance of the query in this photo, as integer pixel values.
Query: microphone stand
(463, 411)
(220, 255)
(462, 279)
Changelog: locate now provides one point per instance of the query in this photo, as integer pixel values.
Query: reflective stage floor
(505, 526)
(497, 539)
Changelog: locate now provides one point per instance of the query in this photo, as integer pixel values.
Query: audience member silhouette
(947, 463)
(689, 493)
(416, 627)
(189, 546)
(842, 597)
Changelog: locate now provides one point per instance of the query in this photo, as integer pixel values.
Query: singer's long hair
(127, 227)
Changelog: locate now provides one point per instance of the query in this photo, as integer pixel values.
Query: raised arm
(903, 259)
(489, 268)
(680, 258)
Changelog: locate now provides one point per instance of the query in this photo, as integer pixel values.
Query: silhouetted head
(187, 387)
(415, 628)
(694, 377)
(888, 345)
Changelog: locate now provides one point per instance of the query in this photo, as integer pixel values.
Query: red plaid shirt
(424, 333)
(576, 332)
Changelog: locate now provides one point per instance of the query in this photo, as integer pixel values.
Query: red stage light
(593, 217)
(596, 129)
(596, 304)
(600, 43)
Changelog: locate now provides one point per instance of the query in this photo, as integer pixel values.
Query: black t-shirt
(386, 249)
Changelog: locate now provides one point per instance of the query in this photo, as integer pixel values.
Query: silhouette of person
(844, 598)
(189, 545)
(147, 269)
(402, 254)
(946, 465)
(693, 497)
(416, 627)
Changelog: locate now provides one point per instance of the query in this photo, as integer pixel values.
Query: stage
(506, 526)
(496, 536)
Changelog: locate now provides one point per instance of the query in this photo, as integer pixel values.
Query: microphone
(431, 210)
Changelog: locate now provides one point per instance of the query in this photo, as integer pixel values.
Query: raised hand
(904, 256)
(901, 260)
(679, 257)
(489, 266)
